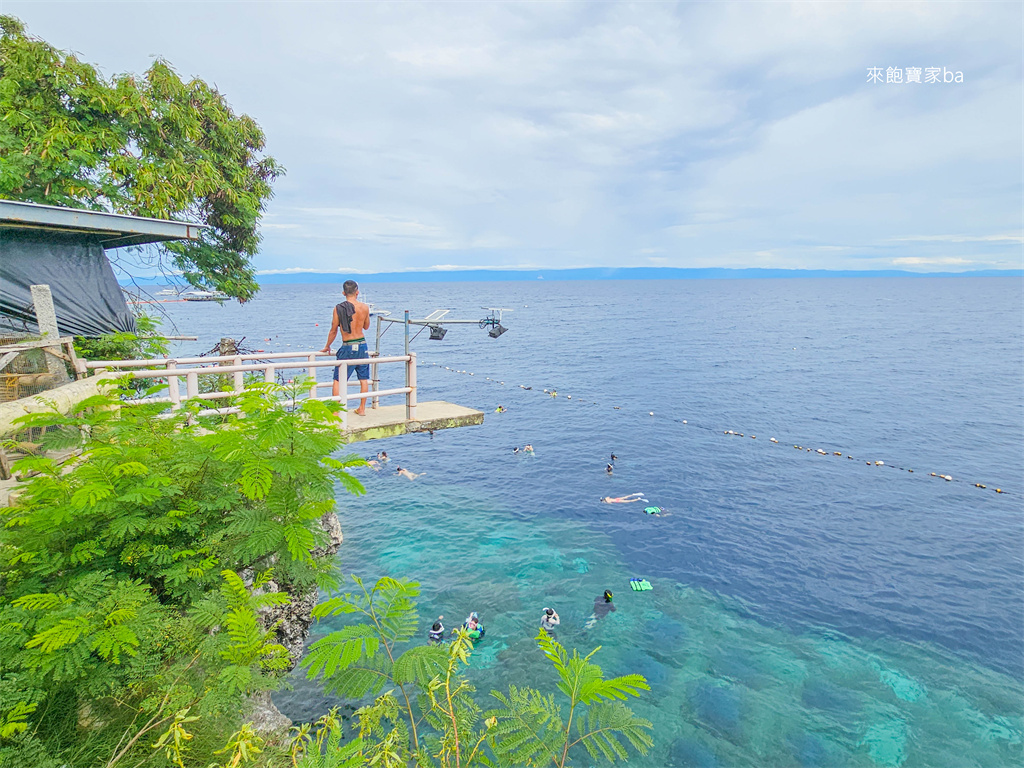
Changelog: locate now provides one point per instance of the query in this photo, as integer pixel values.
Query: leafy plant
(144, 345)
(133, 579)
(429, 716)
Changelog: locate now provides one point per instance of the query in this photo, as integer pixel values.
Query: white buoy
(773, 439)
(651, 413)
(684, 421)
(879, 463)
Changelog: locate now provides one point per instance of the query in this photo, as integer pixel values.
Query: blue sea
(822, 600)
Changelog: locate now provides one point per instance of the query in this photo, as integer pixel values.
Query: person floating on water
(374, 464)
(500, 409)
(383, 457)
(410, 475)
(516, 449)
(435, 635)
(603, 605)
(528, 448)
(549, 620)
(473, 626)
(638, 496)
(656, 511)
(609, 469)
(614, 457)
(352, 318)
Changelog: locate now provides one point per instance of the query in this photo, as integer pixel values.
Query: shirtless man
(410, 475)
(353, 318)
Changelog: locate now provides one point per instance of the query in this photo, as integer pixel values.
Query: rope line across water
(727, 432)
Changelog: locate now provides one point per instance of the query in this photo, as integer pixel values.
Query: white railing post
(172, 385)
(238, 375)
(312, 375)
(410, 397)
(269, 374)
(374, 381)
(343, 391)
(191, 384)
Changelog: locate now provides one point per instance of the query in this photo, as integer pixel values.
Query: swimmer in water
(473, 626)
(638, 496)
(435, 635)
(500, 409)
(614, 457)
(373, 463)
(609, 469)
(410, 475)
(528, 448)
(516, 449)
(382, 456)
(549, 620)
(602, 607)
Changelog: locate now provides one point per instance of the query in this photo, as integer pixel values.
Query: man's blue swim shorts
(349, 351)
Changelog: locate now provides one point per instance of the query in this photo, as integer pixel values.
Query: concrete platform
(389, 420)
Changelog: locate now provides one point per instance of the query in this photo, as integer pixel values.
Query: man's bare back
(360, 320)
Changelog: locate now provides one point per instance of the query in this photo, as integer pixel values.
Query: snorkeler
(435, 635)
(657, 511)
(373, 463)
(609, 469)
(614, 457)
(549, 620)
(638, 496)
(410, 475)
(602, 607)
(516, 449)
(473, 626)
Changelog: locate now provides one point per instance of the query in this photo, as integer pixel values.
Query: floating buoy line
(726, 432)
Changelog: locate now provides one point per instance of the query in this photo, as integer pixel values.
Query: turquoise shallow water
(727, 688)
(808, 610)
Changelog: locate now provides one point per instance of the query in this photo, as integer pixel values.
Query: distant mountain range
(590, 273)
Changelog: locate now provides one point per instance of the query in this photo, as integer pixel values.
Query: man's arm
(334, 331)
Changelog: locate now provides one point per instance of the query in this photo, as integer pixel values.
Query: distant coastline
(589, 273)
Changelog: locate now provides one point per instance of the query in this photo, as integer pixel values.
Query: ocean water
(809, 609)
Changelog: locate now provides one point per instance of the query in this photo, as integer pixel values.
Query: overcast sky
(547, 134)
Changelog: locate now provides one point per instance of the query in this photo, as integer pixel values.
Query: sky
(434, 135)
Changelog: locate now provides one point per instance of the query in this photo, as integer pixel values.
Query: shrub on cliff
(130, 579)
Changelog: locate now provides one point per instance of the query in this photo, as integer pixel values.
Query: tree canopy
(150, 145)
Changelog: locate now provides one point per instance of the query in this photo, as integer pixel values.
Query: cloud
(917, 261)
(712, 134)
(959, 239)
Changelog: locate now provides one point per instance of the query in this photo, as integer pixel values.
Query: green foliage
(125, 346)
(149, 145)
(320, 745)
(531, 730)
(429, 717)
(133, 580)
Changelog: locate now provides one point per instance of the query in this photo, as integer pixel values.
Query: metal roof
(113, 230)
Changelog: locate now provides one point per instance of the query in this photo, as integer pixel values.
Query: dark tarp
(86, 297)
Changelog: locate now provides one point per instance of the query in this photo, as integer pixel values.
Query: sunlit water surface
(808, 609)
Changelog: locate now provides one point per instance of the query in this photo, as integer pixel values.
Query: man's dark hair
(350, 287)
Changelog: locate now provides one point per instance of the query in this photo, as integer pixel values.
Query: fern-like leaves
(529, 729)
